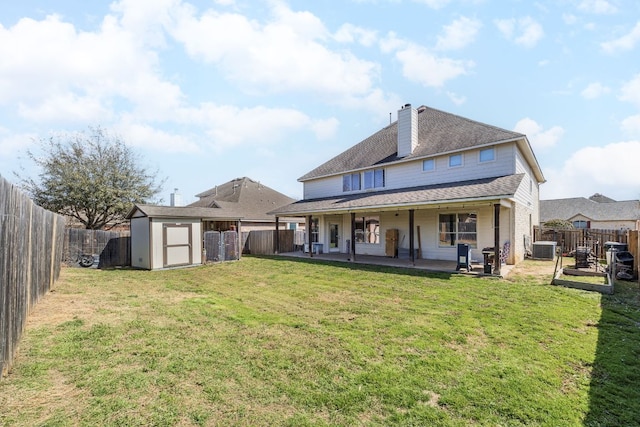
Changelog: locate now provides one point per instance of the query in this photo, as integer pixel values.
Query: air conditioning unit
(544, 250)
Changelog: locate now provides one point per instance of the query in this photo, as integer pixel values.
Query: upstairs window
(428, 165)
(455, 160)
(487, 155)
(374, 179)
(351, 182)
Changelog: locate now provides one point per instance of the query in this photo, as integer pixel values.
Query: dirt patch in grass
(532, 269)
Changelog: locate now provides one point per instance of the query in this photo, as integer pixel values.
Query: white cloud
(597, 170)
(54, 66)
(288, 52)
(595, 90)
(56, 74)
(459, 34)
(631, 125)
(434, 4)
(349, 33)
(526, 32)
(456, 99)
(630, 91)
(540, 139)
(625, 43)
(598, 7)
(66, 108)
(569, 19)
(228, 126)
(146, 136)
(421, 65)
(12, 143)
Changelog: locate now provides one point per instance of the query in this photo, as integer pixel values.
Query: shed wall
(140, 243)
(157, 242)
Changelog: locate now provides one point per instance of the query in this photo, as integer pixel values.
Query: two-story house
(428, 181)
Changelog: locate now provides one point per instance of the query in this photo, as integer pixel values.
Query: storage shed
(170, 236)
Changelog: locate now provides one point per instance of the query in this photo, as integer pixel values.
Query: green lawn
(264, 342)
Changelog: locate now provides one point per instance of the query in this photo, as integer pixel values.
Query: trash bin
(464, 256)
(317, 248)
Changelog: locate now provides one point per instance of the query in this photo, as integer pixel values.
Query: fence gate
(221, 246)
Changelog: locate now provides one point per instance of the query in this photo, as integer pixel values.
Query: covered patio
(436, 266)
(427, 224)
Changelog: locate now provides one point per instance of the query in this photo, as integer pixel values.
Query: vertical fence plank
(30, 254)
(570, 239)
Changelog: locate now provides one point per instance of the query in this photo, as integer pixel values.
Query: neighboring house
(598, 212)
(428, 181)
(250, 198)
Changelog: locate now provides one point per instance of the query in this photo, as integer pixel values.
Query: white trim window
(457, 228)
(351, 182)
(374, 178)
(428, 165)
(455, 160)
(368, 229)
(487, 155)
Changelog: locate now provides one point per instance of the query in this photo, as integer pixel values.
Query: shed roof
(439, 132)
(154, 211)
(473, 190)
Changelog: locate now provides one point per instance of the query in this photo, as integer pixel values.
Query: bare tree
(93, 177)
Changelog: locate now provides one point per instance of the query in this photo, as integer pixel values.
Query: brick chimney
(407, 130)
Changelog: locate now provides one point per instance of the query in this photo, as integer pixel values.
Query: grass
(265, 342)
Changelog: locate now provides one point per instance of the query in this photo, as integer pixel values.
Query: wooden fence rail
(31, 243)
(570, 239)
(109, 248)
(263, 242)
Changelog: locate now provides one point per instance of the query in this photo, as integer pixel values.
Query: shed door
(177, 245)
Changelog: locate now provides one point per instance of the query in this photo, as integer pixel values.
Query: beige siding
(140, 243)
(410, 174)
(157, 242)
(322, 187)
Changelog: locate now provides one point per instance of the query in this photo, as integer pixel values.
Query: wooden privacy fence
(221, 246)
(109, 248)
(263, 242)
(570, 239)
(31, 243)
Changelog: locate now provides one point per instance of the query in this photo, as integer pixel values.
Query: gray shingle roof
(478, 189)
(567, 209)
(155, 211)
(251, 198)
(438, 132)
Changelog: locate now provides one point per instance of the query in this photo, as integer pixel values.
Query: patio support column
(277, 239)
(352, 245)
(309, 236)
(240, 243)
(412, 256)
(496, 238)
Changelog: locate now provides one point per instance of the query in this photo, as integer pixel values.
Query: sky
(208, 91)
